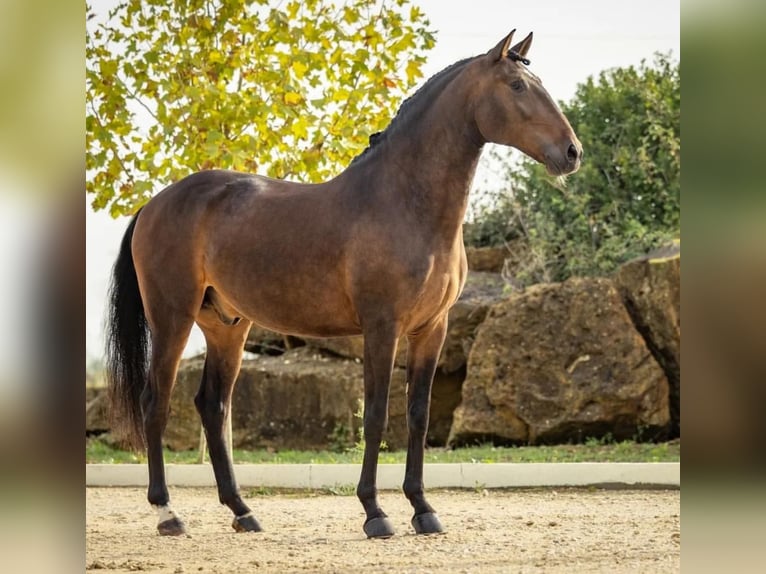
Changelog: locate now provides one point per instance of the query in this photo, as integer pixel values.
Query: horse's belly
(294, 306)
(304, 324)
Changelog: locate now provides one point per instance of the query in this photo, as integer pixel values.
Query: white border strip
(390, 476)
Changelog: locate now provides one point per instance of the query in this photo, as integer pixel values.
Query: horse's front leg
(422, 357)
(380, 341)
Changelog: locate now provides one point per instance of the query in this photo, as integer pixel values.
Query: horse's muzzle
(563, 160)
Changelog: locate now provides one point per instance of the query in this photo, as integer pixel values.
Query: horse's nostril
(572, 152)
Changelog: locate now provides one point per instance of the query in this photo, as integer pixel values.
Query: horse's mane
(414, 104)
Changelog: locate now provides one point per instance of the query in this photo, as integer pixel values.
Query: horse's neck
(435, 158)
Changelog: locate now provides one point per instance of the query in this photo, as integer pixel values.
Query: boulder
(507, 259)
(490, 259)
(558, 363)
(651, 290)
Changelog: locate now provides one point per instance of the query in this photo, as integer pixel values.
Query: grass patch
(98, 451)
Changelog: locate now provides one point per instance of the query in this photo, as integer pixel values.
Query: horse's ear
(501, 50)
(523, 47)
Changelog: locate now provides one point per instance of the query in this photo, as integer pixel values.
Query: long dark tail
(127, 346)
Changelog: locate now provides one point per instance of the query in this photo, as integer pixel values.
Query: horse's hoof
(171, 527)
(379, 527)
(246, 523)
(427, 523)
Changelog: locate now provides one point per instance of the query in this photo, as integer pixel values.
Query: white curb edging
(390, 476)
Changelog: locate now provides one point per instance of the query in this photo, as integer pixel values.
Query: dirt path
(568, 531)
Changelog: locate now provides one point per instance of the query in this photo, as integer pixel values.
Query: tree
(625, 199)
(287, 89)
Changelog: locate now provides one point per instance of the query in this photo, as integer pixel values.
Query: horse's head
(511, 107)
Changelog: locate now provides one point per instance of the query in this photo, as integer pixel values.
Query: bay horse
(377, 251)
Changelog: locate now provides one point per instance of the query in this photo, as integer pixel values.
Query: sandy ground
(488, 531)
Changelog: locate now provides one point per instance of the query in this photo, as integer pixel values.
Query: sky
(572, 40)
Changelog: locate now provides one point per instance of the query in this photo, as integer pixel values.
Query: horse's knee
(417, 420)
(375, 423)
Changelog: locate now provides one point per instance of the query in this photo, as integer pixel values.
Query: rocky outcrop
(480, 292)
(651, 289)
(561, 362)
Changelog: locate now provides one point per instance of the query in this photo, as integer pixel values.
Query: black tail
(127, 346)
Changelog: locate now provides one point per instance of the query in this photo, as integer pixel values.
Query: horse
(377, 251)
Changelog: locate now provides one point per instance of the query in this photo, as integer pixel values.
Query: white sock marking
(165, 512)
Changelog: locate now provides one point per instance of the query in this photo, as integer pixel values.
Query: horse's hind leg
(169, 335)
(422, 357)
(225, 344)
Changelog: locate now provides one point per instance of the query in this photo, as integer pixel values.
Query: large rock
(651, 290)
(490, 259)
(183, 428)
(561, 362)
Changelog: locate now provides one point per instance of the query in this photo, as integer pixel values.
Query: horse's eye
(517, 86)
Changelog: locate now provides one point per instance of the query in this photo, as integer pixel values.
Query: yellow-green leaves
(292, 98)
(299, 69)
(290, 89)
